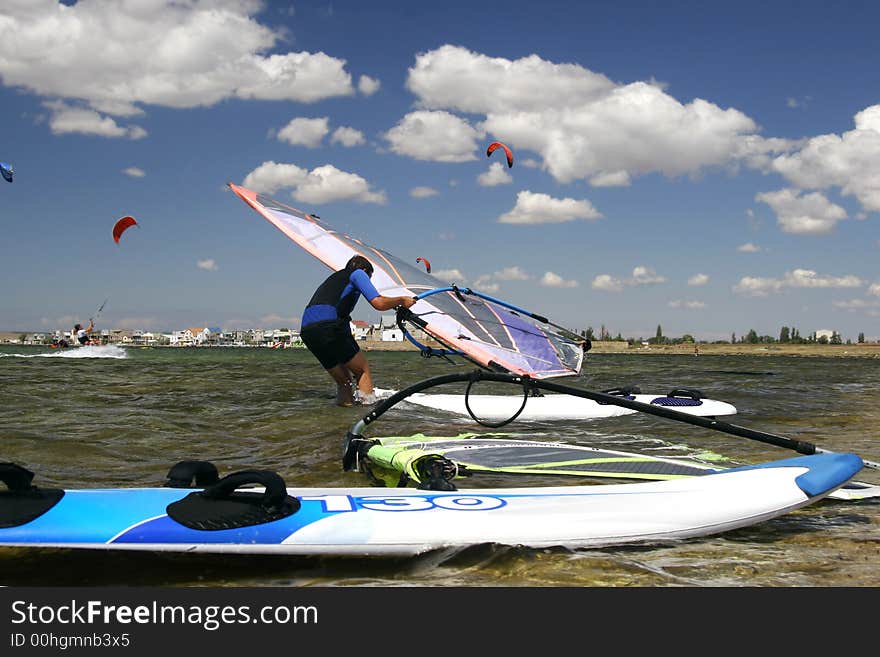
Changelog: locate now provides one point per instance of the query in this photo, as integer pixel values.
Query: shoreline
(864, 350)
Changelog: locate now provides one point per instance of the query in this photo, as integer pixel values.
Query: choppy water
(122, 417)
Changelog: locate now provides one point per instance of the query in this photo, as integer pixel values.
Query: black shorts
(331, 342)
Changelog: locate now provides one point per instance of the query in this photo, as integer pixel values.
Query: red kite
(497, 144)
(121, 226)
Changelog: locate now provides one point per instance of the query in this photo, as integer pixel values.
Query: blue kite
(6, 171)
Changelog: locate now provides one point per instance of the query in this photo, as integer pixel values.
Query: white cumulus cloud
(66, 119)
(805, 214)
(535, 208)
(514, 273)
(608, 283)
(645, 276)
(689, 305)
(583, 125)
(495, 175)
(551, 279)
(449, 275)
(423, 192)
(114, 57)
(641, 275)
(367, 85)
(435, 137)
(322, 184)
(305, 132)
(797, 278)
(347, 136)
(850, 161)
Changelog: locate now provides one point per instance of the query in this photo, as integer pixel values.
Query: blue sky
(709, 167)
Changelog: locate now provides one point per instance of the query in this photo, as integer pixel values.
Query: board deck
(375, 522)
(556, 406)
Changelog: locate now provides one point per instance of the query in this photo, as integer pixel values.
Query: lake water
(122, 419)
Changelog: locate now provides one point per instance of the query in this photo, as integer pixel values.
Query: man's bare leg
(360, 370)
(344, 392)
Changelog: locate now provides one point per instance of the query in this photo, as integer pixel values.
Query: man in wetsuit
(326, 329)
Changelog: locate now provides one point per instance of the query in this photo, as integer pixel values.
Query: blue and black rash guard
(336, 297)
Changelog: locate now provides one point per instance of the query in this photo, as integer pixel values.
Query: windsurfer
(326, 329)
(82, 335)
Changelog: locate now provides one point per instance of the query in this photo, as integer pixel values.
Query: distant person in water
(82, 335)
(326, 328)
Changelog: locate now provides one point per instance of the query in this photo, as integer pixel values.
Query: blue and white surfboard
(373, 521)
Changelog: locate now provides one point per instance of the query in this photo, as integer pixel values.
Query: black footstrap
(222, 506)
(627, 392)
(23, 502)
(692, 393)
(186, 473)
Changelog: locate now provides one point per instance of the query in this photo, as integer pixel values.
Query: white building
(392, 335)
(388, 329)
(191, 337)
(360, 329)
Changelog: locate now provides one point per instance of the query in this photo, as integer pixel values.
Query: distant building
(191, 337)
(392, 335)
(387, 329)
(360, 329)
(278, 338)
(824, 333)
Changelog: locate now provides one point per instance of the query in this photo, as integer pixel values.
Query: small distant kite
(6, 171)
(426, 263)
(495, 145)
(121, 226)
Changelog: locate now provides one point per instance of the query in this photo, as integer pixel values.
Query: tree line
(787, 335)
